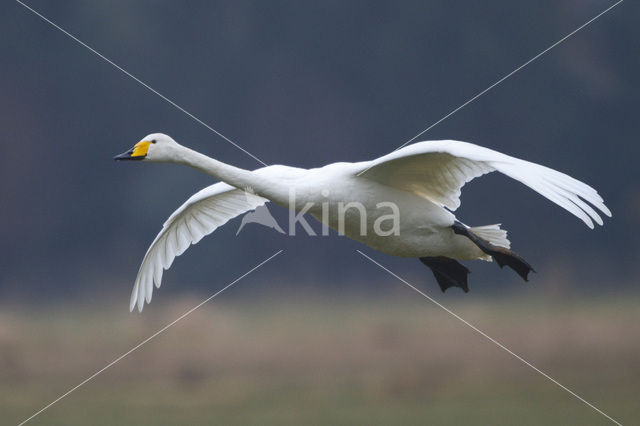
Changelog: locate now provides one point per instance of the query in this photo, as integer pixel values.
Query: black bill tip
(127, 156)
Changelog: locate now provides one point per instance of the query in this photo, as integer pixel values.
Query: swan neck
(235, 176)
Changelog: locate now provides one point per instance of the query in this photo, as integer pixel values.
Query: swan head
(155, 147)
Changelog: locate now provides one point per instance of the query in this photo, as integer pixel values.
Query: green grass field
(319, 361)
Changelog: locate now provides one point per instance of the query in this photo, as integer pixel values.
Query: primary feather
(437, 170)
(199, 216)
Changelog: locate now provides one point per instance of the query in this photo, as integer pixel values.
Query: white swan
(400, 204)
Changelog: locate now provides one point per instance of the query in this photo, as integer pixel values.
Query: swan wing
(199, 216)
(437, 170)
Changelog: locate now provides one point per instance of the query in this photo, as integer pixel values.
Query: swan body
(400, 204)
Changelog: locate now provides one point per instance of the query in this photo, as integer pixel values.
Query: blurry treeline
(305, 83)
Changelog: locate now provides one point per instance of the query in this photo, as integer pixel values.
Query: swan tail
(493, 234)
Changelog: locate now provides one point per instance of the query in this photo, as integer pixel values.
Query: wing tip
(134, 299)
(596, 217)
(137, 298)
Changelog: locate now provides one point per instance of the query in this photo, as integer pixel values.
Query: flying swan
(400, 204)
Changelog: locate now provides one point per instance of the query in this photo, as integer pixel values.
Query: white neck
(234, 176)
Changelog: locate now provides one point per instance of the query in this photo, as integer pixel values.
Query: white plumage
(437, 170)
(423, 180)
(200, 215)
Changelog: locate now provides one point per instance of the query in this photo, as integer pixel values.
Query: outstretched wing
(437, 170)
(200, 215)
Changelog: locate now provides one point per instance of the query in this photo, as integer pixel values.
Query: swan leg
(501, 255)
(448, 272)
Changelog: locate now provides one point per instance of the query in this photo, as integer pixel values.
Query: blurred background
(319, 335)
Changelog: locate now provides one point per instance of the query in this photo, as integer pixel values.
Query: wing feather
(437, 171)
(199, 216)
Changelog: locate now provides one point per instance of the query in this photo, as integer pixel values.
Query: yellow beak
(138, 152)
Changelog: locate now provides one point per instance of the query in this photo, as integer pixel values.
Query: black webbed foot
(448, 272)
(502, 256)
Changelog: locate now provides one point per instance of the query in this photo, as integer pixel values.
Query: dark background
(319, 335)
(305, 84)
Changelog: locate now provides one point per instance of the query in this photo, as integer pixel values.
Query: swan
(412, 191)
